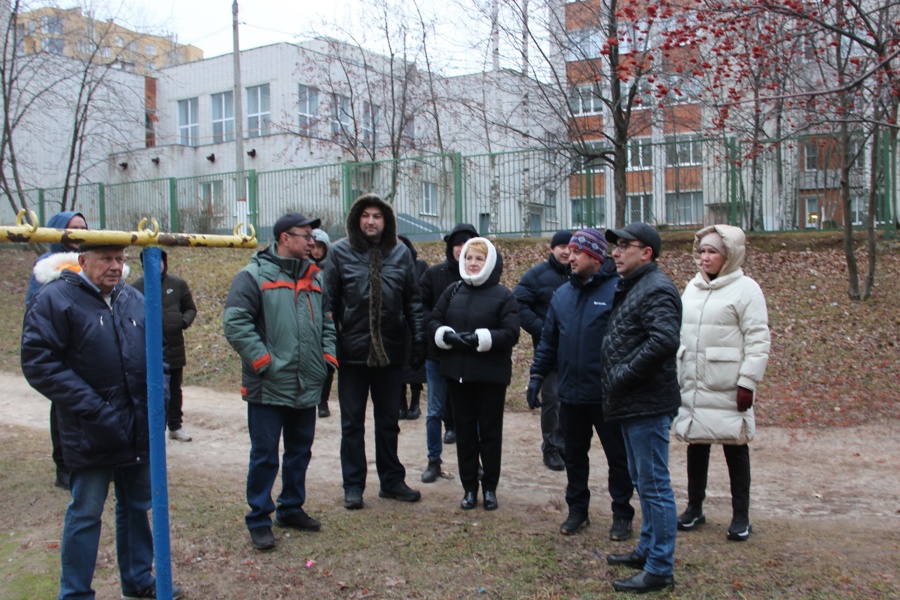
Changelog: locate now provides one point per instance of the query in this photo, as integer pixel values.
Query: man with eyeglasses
(277, 319)
(641, 393)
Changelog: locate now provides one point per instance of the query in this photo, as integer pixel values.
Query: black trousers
(577, 423)
(738, 460)
(355, 382)
(478, 413)
(326, 388)
(174, 414)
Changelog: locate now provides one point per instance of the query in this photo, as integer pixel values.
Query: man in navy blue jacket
(573, 328)
(83, 348)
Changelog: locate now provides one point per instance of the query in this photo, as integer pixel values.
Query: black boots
(432, 472)
(691, 518)
(740, 528)
(414, 411)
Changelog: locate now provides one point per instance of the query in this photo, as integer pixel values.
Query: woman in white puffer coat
(723, 356)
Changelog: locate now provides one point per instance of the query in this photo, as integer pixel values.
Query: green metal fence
(677, 184)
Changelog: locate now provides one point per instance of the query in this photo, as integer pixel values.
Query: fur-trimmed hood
(355, 235)
(490, 273)
(51, 267)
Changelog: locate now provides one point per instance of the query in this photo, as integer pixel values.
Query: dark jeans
(326, 387)
(355, 382)
(174, 416)
(267, 425)
(577, 424)
(478, 412)
(738, 460)
(553, 439)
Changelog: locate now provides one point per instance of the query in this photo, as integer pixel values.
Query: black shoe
(150, 592)
(469, 501)
(630, 559)
(323, 410)
(62, 478)
(490, 501)
(575, 522)
(740, 528)
(401, 492)
(620, 530)
(450, 436)
(554, 461)
(414, 412)
(300, 521)
(644, 582)
(691, 518)
(262, 538)
(353, 499)
(432, 472)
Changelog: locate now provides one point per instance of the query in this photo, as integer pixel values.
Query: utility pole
(240, 180)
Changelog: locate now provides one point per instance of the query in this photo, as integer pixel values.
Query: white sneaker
(181, 435)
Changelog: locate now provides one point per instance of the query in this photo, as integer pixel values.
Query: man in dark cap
(276, 318)
(533, 293)
(641, 393)
(433, 283)
(371, 283)
(573, 328)
(83, 347)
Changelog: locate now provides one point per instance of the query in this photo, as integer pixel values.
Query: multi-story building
(71, 33)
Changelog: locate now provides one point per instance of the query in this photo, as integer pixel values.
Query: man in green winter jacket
(277, 319)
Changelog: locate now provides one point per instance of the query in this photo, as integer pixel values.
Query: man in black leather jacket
(370, 281)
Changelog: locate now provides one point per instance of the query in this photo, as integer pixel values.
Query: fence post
(174, 217)
(347, 185)
(734, 181)
(101, 204)
(456, 161)
(253, 198)
(40, 203)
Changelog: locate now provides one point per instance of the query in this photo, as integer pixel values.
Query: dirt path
(827, 473)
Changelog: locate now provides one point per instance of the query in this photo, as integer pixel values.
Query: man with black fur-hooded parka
(371, 282)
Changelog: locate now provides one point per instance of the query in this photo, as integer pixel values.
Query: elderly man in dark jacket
(433, 282)
(641, 392)
(533, 293)
(179, 312)
(575, 323)
(83, 348)
(371, 283)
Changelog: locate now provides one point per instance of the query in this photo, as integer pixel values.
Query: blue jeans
(437, 398)
(647, 445)
(81, 529)
(267, 425)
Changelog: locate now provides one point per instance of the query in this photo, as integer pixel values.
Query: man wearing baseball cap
(575, 323)
(276, 308)
(641, 393)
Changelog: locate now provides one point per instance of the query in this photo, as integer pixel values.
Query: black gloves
(534, 388)
(461, 341)
(416, 359)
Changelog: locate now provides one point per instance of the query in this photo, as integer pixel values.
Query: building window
(340, 116)
(259, 117)
(858, 210)
(811, 156)
(149, 49)
(684, 208)
(188, 122)
(51, 25)
(550, 213)
(639, 207)
(585, 100)
(309, 108)
(640, 154)
(812, 212)
(223, 117)
(408, 132)
(371, 117)
(588, 212)
(683, 152)
(584, 44)
(429, 197)
(53, 45)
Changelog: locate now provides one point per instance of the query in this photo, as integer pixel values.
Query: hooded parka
(724, 344)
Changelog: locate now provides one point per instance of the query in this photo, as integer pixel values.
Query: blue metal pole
(157, 412)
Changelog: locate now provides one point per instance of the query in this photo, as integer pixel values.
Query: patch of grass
(430, 549)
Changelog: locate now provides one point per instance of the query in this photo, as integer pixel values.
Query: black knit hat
(560, 238)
